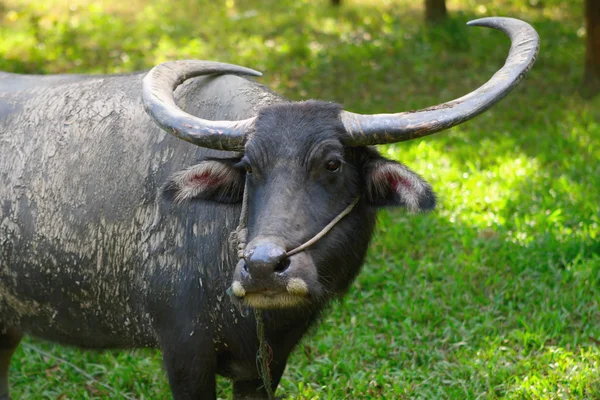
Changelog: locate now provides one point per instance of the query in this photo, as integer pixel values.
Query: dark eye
(244, 164)
(333, 165)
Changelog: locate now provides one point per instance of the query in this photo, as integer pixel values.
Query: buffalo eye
(333, 165)
(244, 164)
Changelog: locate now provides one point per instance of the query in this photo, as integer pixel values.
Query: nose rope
(324, 231)
(240, 235)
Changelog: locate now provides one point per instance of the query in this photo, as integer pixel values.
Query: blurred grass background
(494, 295)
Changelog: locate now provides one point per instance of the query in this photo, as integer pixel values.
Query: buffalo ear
(391, 184)
(214, 180)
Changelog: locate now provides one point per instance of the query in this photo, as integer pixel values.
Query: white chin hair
(282, 300)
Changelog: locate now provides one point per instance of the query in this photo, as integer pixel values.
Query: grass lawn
(493, 295)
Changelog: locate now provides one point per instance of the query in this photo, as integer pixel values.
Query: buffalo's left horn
(390, 128)
(158, 89)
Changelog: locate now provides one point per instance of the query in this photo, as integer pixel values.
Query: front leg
(9, 340)
(191, 368)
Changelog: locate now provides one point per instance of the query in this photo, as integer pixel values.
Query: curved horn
(366, 130)
(158, 89)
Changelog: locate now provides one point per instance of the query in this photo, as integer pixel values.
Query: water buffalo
(115, 233)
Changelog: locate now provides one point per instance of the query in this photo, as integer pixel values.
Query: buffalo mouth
(294, 294)
(293, 288)
(274, 301)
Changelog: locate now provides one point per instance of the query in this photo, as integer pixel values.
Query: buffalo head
(302, 164)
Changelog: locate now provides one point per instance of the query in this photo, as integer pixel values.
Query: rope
(264, 356)
(240, 235)
(324, 231)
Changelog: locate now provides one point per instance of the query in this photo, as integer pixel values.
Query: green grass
(494, 295)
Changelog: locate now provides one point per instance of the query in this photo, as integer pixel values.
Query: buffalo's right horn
(158, 88)
(366, 130)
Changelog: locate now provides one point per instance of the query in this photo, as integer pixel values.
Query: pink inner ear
(204, 179)
(395, 180)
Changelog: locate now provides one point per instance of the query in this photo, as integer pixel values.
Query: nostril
(264, 259)
(283, 265)
(245, 266)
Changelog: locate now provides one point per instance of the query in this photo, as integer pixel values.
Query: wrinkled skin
(114, 234)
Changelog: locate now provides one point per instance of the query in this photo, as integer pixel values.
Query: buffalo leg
(191, 371)
(9, 340)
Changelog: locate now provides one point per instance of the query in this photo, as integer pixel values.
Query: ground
(494, 295)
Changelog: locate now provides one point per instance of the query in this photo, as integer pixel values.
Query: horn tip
(245, 70)
(486, 22)
(251, 72)
(496, 22)
(477, 22)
